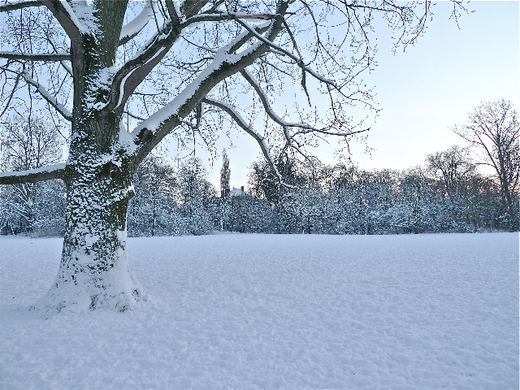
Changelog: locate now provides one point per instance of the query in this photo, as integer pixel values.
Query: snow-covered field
(275, 312)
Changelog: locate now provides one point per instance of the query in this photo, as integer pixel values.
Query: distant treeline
(446, 194)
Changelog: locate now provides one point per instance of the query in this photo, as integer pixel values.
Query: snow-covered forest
(446, 194)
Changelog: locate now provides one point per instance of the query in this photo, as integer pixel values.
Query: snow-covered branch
(20, 5)
(131, 74)
(50, 172)
(66, 18)
(226, 62)
(62, 110)
(203, 83)
(136, 25)
(35, 57)
(135, 71)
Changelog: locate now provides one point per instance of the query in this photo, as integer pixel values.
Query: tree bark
(94, 270)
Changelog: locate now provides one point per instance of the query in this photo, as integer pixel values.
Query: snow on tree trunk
(94, 271)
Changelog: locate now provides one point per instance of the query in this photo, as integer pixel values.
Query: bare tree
(25, 144)
(124, 75)
(494, 129)
(452, 168)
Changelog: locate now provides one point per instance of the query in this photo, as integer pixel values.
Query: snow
(117, 288)
(138, 23)
(126, 140)
(74, 18)
(48, 168)
(82, 15)
(236, 192)
(275, 312)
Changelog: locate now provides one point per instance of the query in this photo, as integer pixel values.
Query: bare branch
(304, 129)
(220, 17)
(64, 111)
(281, 50)
(67, 67)
(249, 130)
(11, 95)
(132, 115)
(50, 172)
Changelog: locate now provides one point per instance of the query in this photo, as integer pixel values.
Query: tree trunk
(94, 270)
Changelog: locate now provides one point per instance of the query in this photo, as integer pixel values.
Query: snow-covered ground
(275, 312)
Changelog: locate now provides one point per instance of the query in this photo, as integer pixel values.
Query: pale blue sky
(428, 89)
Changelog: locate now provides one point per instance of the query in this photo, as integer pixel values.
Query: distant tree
(153, 208)
(29, 144)
(261, 217)
(239, 205)
(494, 128)
(273, 182)
(414, 190)
(49, 209)
(451, 168)
(450, 172)
(224, 206)
(225, 176)
(195, 196)
(483, 203)
(24, 145)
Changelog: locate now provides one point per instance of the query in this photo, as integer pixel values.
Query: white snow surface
(275, 312)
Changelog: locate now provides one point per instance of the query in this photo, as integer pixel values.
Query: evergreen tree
(225, 176)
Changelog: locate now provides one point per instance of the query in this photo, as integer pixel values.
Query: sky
(424, 92)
